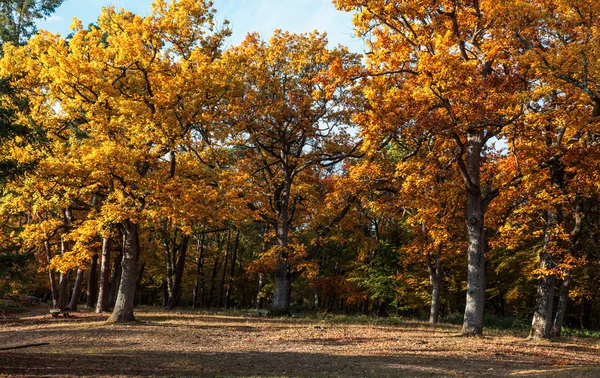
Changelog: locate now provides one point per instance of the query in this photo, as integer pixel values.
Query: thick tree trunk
(179, 268)
(102, 303)
(435, 279)
(76, 295)
(473, 318)
(53, 288)
(232, 271)
(199, 283)
(123, 311)
(92, 284)
(283, 283)
(283, 277)
(475, 219)
(562, 305)
(542, 316)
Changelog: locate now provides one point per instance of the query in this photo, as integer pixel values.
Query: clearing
(221, 344)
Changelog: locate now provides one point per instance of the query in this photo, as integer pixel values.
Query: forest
(450, 174)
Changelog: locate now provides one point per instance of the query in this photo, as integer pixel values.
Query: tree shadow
(249, 363)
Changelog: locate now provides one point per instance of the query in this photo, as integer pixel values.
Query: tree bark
(260, 301)
(232, 271)
(561, 309)
(179, 268)
(541, 324)
(435, 279)
(63, 291)
(283, 278)
(76, 295)
(213, 280)
(115, 273)
(92, 284)
(102, 303)
(53, 288)
(475, 219)
(138, 284)
(123, 311)
(199, 283)
(224, 273)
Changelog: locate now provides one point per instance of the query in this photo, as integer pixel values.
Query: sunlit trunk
(123, 311)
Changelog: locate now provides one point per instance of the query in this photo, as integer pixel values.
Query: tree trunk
(76, 295)
(542, 316)
(232, 271)
(475, 219)
(213, 282)
(224, 273)
(283, 278)
(260, 301)
(179, 268)
(123, 311)
(165, 293)
(63, 291)
(115, 274)
(435, 279)
(138, 284)
(53, 288)
(92, 284)
(102, 303)
(562, 305)
(199, 284)
(168, 259)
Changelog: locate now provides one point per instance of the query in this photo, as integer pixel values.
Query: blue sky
(263, 16)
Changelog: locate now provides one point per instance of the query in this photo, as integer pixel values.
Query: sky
(263, 16)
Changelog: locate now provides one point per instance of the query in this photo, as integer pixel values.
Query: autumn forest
(451, 173)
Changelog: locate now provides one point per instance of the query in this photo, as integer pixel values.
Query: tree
(291, 117)
(18, 17)
(116, 99)
(440, 69)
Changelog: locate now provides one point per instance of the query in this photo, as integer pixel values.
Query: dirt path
(167, 344)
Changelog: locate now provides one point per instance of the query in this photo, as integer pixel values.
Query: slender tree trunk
(76, 295)
(213, 280)
(260, 301)
(475, 219)
(169, 258)
(232, 271)
(165, 293)
(435, 279)
(138, 284)
(115, 274)
(63, 291)
(123, 311)
(92, 284)
(562, 305)
(53, 288)
(199, 284)
(102, 303)
(179, 268)
(224, 273)
(542, 316)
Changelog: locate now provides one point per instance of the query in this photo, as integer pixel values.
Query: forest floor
(177, 344)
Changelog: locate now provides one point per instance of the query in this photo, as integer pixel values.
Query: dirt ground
(212, 345)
